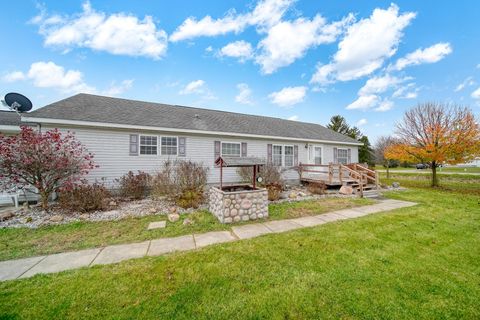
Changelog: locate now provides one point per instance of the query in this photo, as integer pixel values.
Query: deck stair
(363, 180)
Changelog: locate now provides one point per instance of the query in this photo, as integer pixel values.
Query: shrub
(182, 181)
(134, 186)
(317, 187)
(274, 191)
(84, 197)
(270, 174)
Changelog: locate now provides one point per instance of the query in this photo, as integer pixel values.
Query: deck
(356, 175)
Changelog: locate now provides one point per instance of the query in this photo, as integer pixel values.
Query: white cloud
(244, 95)
(13, 76)
(380, 84)
(476, 94)
(120, 33)
(365, 46)
(115, 90)
(265, 14)
(288, 41)
(288, 96)
(293, 118)
(241, 50)
(431, 54)
(50, 75)
(209, 49)
(406, 92)
(364, 102)
(362, 122)
(466, 83)
(197, 86)
(385, 105)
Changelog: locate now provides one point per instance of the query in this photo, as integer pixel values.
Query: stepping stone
(250, 230)
(63, 261)
(309, 221)
(157, 225)
(167, 245)
(13, 269)
(281, 225)
(205, 239)
(114, 254)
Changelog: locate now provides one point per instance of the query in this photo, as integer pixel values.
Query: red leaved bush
(49, 161)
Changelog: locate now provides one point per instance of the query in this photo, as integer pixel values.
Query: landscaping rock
(187, 222)
(84, 216)
(152, 210)
(292, 195)
(347, 190)
(396, 184)
(112, 203)
(6, 215)
(173, 209)
(56, 218)
(173, 217)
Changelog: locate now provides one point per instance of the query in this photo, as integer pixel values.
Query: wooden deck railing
(340, 173)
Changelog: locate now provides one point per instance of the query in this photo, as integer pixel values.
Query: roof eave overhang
(193, 131)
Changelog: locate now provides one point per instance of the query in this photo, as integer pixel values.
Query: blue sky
(304, 60)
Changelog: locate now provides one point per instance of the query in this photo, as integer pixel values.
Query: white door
(315, 154)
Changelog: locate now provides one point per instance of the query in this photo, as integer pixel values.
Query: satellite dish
(17, 102)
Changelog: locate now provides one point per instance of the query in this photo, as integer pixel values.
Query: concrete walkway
(28, 267)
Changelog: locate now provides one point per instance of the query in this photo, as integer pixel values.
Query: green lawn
(24, 242)
(421, 262)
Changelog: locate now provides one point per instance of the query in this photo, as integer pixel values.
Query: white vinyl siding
(110, 148)
(169, 146)
(342, 156)
(148, 145)
(231, 149)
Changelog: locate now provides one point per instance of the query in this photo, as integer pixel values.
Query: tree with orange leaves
(436, 134)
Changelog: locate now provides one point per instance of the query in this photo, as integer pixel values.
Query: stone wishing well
(238, 202)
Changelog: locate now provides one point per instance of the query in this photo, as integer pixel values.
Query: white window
(148, 145)
(342, 156)
(277, 155)
(231, 149)
(288, 156)
(169, 146)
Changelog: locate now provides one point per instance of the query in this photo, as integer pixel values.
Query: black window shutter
(134, 144)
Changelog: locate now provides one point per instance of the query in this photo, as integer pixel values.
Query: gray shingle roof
(9, 118)
(87, 107)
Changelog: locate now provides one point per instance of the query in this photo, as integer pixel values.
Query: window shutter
(269, 153)
(134, 144)
(216, 149)
(349, 159)
(335, 155)
(295, 155)
(182, 152)
(244, 149)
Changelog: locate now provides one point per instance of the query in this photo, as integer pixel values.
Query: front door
(315, 154)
